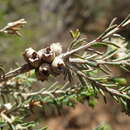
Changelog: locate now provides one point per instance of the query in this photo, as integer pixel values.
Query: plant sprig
(87, 73)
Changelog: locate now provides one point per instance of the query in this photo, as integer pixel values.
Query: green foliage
(45, 128)
(103, 127)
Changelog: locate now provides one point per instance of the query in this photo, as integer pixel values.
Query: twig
(23, 69)
(103, 87)
(27, 67)
(13, 27)
(7, 119)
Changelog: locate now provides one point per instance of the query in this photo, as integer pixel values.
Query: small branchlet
(84, 67)
(14, 27)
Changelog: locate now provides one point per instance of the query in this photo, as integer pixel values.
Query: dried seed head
(31, 56)
(46, 55)
(56, 48)
(43, 72)
(58, 65)
(29, 53)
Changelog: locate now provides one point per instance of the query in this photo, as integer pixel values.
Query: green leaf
(120, 81)
(29, 124)
(126, 89)
(106, 44)
(44, 128)
(88, 92)
(75, 34)
(103, 127)
(93, 72)
(92, 102)
(2, 124)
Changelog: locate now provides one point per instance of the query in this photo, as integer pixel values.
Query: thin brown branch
(23, 69)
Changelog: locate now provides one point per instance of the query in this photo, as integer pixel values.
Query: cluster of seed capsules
(45, 61)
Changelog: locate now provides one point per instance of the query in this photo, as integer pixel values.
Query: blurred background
(50, 21)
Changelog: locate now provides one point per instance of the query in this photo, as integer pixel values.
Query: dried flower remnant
(45, 61)
(49, 53)
(14, 27)
(56, 48)
(58, 65)
(43, 72)
(46, 55)
(31, 56)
